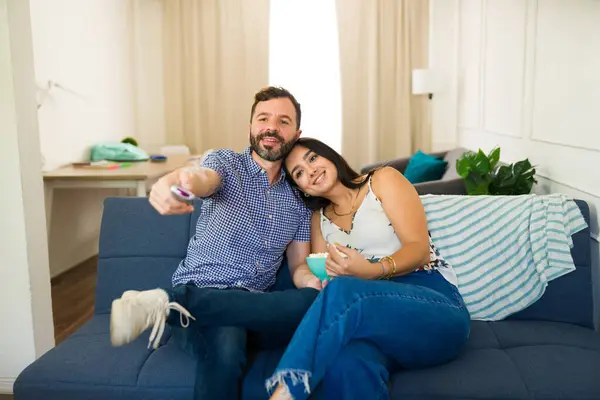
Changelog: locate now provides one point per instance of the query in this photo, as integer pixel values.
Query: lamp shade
(422, 81)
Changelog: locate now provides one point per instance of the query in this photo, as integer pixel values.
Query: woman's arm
(317, 241)
(405, 211)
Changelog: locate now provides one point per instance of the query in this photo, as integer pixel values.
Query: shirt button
(266, 243)
(262, 171)
(270, 217)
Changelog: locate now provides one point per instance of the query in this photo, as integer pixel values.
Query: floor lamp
(423, 83)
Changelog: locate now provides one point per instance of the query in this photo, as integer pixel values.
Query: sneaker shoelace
(160, 319)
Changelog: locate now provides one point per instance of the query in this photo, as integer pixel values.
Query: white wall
(526, 79)
(85, 46)
(25, 307)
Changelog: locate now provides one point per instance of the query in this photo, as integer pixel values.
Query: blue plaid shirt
(244, 228)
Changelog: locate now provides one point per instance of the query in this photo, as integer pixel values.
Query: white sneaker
(137, 311)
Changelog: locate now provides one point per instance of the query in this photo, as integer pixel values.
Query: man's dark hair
(348, 176)
(275, 92)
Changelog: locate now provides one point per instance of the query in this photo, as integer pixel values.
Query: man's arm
(301, 275)
(201, 181)
(301, 248)
(201, 177)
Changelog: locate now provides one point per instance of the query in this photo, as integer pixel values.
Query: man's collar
(252, 165)
(256, 169)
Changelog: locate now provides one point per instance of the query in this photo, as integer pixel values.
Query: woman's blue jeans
(356, 330)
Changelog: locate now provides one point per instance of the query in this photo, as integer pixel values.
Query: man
(249, 219)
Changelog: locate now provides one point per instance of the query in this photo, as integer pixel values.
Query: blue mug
(317, 267)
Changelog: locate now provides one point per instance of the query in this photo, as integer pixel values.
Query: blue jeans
(357, 330)
(218, 336)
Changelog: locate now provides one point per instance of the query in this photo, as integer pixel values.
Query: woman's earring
(306, 195)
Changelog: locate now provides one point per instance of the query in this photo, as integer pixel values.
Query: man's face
(273, 129)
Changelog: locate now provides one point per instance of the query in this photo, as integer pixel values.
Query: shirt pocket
(284, 224)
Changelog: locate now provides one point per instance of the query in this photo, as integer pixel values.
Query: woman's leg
(360, 371)
(419, 320)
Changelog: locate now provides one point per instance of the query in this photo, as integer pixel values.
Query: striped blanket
(504, 249)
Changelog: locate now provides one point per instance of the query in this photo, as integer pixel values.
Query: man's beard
(269, 153)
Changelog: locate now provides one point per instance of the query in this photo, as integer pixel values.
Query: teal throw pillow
(424, 168)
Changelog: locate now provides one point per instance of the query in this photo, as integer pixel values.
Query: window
(304, 58)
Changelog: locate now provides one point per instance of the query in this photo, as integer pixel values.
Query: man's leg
(221, 355)
(279, 311)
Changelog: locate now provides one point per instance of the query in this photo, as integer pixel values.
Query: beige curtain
(216, 56)
(381, 42)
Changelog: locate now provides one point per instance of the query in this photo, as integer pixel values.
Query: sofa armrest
(398, 163)
(450, 186)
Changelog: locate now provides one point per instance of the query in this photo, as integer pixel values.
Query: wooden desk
(136, 176)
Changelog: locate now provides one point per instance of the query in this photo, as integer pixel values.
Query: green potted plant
(130, 140)
(484, 176)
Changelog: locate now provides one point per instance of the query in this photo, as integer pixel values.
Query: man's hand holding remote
(202, 182)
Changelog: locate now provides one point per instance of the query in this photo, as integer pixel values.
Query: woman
(391, 301)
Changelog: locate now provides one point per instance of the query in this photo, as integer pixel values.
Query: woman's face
(314, 175)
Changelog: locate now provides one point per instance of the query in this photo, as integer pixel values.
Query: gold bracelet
(392, 271)
(393, 267)
(387, 274)
(382, 271)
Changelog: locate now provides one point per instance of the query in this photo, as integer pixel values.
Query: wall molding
(6, 385)
(561, 144)
(554, 180)
(491, 132)
(529, 58)
(539, 133)
(523, 31)
(563, 167)
(482, 63)
(532, 139)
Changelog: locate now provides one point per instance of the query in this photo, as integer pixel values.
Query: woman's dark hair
(346, 174)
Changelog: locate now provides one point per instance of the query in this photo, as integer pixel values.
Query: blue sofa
(548, 351)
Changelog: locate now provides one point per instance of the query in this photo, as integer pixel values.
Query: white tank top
(372, 235)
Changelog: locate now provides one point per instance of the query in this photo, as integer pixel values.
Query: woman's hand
(354, 264)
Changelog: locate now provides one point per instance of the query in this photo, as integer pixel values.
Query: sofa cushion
(512, 360)
(424, 168)
(502, 360)
(451, 157)
(86, 366)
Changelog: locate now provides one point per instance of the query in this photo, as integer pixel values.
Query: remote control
(182, 194)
